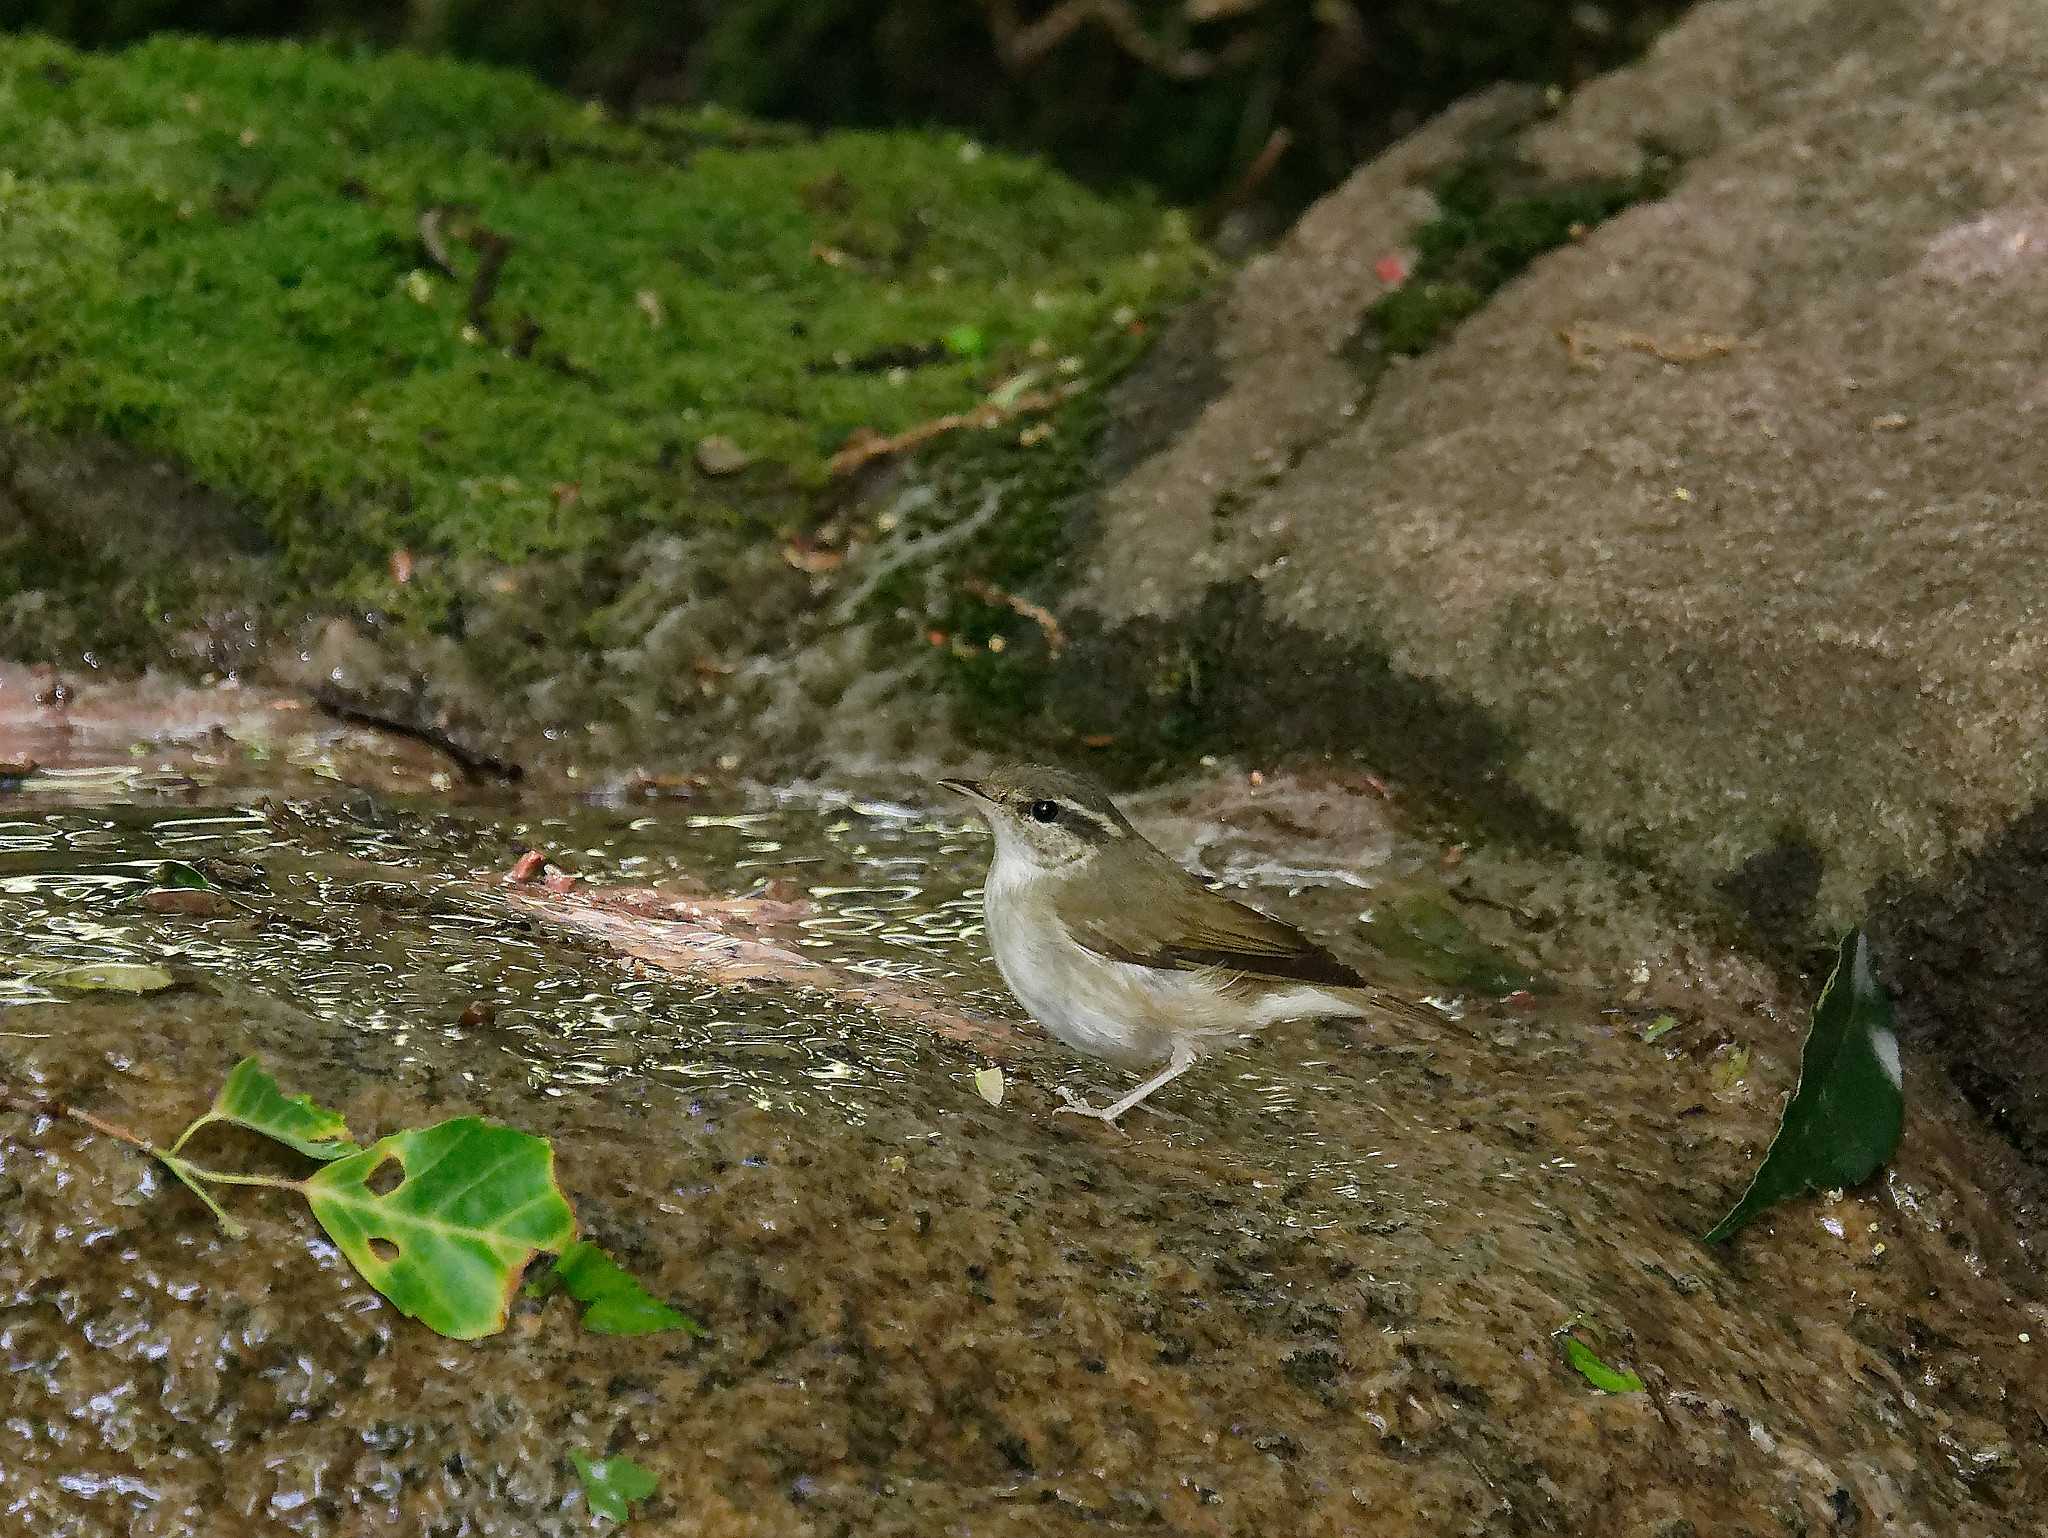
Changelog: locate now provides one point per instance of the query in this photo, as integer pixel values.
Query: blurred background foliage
(1212, 102)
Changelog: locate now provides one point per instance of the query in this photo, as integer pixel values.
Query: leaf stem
(186, 1136)
(189, 1174)
(221, 1177)
(232, 1227)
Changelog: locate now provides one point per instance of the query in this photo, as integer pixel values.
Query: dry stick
(1583, 340)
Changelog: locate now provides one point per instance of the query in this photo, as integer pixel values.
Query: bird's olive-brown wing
(1199, 928)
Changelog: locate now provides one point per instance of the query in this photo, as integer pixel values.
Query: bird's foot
(1075, 1105)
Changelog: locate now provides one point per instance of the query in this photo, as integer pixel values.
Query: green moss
(1000, 692)
(1494, 218)
(1425, 933)
(214, 253)
(995, 662)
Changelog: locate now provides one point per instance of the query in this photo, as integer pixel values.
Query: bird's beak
(969, 788)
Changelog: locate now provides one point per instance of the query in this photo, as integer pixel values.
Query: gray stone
(1757, 558)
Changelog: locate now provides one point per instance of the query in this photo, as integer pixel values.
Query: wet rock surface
(1319, 1296)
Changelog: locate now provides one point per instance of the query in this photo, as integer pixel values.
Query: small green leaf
(251, 1099)
(447, 1244)
(616, 1304)
(1843, 1120)
(988, 1083)
(611, 1484)
(1014, 389)
(966, 342)
(1660, 1027)
(178, 876)
(1609, 1380)
(93, 976)
(1727, 1067)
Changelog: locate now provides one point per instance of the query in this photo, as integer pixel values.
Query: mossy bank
(418, 343)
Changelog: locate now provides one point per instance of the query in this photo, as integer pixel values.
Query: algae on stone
(1495, 217)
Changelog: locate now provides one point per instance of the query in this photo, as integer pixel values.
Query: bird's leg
(1182, 1060)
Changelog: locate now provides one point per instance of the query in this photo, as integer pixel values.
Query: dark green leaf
(611, 1484)
(251, 1099)
(617, 1305)
(178, 876)
(1609, 1380)
(476, 1203)
(1843, 1120)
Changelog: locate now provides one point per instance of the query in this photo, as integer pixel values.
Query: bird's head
(1047, 819)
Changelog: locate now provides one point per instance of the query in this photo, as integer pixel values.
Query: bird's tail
(1376, 1003)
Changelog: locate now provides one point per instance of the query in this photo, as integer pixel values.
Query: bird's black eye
(1045, 811)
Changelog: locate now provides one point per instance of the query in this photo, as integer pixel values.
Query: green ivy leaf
(251, 1099)
(611, 1484)
(93, 976)
(447, 1244)
(1843, 1120)
(615, 1303)
(178, 876)
(1609, 1380)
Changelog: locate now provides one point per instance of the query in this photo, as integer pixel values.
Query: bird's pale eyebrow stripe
(1108, 827)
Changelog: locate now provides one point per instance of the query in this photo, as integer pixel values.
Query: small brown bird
(1125, 956)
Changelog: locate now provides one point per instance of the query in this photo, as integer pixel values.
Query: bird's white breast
(1128, 1014)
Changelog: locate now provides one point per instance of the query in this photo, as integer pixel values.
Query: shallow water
(372, 920)
(371, 917)
(1316, 1294)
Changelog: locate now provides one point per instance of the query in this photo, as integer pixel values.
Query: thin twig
(1278, 142)
(111, 1129)
(1038, 614)
(1585, 339)
(1022, 44)
(345, 705)
(432, 241)
(186, 1174)
(492, 249)
(865, 444)
(906, 550)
